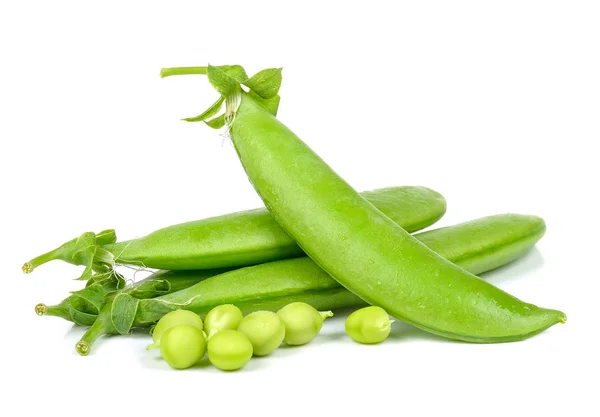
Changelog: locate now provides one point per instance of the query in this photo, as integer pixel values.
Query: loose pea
(173, 318)
(182, 346)
(369, 325)
(223, 317)
(229, 350)
(302, 322)
(264, 329)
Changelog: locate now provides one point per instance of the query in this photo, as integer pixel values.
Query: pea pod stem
(29, 266)
(326, 314)
(168, 72)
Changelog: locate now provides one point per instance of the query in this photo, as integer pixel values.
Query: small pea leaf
(271, 104)
(210, 112)
(265, 83)
(81, 318)
(150, 289)
(221, 80)
(106, 237)
(93, 295)
(216, 123)
(123, 312)
(237, 72)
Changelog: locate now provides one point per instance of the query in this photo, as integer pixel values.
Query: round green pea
(369, 325)
(264, 329)
(302, 322)
(223, 317)
(174, 318)
(229, 350)
(182, 346)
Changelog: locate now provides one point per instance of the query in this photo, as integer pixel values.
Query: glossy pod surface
(273, 285)
(364, 250)
(252, 237)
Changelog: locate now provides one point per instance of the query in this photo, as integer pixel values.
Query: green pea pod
(478, 246)
(232, 240)
(362, 249)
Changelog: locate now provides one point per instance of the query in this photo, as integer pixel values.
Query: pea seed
(302, 322)
(369, 325)
(173, 318)
(265, 331)
(229, 350)
(182, 346)
(223, 317)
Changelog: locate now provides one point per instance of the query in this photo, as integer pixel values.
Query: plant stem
(28, 267)
(167, 72)
(84, 346)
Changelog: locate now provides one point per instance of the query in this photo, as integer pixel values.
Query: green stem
(58, 310)
(167, 72)
(84, 346)
(28, 267)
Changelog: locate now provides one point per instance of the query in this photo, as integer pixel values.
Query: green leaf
(124, 308)
(150, 289)
(106, 237)
(221, 80)
(265, 83)
(210, 112)
(271, 104)
(93, 295)
(217, 122)
(237, 72)
(80, 318)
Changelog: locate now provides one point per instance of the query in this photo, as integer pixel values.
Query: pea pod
(358, 245)
(479, 245)
(232, 240)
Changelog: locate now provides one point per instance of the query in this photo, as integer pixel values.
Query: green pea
(173, 318)
(223, 317)
(182, 346)
(264, 329)
(369, 325)
(229, 350)
(302, 322)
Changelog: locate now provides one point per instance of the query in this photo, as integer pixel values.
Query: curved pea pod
(367, 253)
(356, 243)
(232, 240)
(499, 240)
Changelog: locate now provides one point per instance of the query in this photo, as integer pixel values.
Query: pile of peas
(230, 339)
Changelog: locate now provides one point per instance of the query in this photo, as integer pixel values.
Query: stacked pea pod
(359, 246)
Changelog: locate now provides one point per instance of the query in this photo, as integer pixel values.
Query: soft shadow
(406, 332)
(532, 261)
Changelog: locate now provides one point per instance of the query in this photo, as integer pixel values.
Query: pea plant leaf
(150, 289)
(217, 122)
(226, 78)
(237, 72)
(80, 318)
(265, 83)
(123, 311)
(271, 104)
(210, 112)
(93, 295)
(106, 237)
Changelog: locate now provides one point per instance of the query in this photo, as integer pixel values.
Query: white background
(494, 104)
